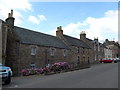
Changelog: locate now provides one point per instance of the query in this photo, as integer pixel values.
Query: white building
(0, 41)
(108, 52)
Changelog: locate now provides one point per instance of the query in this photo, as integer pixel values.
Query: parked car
(5, 74)
(106, 60)
(113, 59)
(117, 60)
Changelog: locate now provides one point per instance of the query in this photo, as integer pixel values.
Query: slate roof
(36, 38)
(89, 39)
(93, 40)
(112, 43)
(75, 42)
(104, 46)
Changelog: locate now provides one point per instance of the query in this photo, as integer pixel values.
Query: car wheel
(115, 61)
(100, 61)
(8, 80)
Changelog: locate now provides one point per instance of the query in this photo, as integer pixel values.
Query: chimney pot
(11, 13)
(60, 27)
(59, 31)
(8, 15)
(10, 19)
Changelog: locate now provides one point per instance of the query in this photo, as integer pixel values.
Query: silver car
(5, 74)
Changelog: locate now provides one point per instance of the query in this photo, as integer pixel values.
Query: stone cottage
(79, 50)
(97, 48)
(24, 48)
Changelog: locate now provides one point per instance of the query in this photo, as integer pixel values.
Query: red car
(106, 60)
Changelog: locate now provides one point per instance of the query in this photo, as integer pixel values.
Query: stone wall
(12, 52)
(91, 50)
(23, 58)
(42, 56)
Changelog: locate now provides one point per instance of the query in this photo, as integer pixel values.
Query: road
(98, 76)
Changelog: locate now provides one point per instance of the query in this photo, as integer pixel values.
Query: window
(95, 58)
(33, 50)
(52, 51)
(88, 60)
(87, 51)
(78, 60)
(64, 52)
(32, 65)
(98, 48)
(78, 50)
(83, 50)
(94, 47)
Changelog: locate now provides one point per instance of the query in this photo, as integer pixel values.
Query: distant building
(108, 52)
(114, 46)
(97, 48)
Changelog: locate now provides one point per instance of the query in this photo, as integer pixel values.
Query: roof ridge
(78, 40)
(35, 31)
(90, 39)
(73, 37)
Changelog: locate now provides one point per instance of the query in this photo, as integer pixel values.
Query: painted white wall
(108, 53)
(0, 41)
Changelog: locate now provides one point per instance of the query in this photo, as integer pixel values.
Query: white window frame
(52, 51)
(98, 47)
(33, 65)
(33, 50)
(95, 57)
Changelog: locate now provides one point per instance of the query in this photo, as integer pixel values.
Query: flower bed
(55, 67)
(27, 72)
(60, 66)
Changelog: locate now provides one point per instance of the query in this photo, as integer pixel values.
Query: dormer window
(33, 51)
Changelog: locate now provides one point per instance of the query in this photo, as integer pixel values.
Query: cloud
(103, 27)
(37, 19)
(33, 19)
(17, 6)
(42, 17)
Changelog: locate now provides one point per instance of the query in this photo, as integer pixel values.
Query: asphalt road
(98, 76)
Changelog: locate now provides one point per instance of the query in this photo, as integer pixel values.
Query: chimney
(59, 31)
(96, 39)
(10, 19)
(106, 40)
(83, 35)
